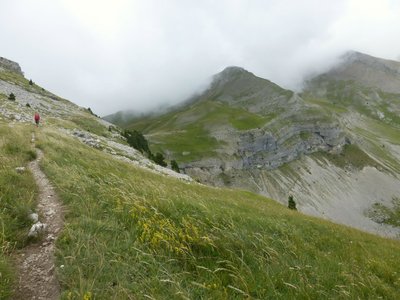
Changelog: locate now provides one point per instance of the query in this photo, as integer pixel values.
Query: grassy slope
(130, 233)
(343, 97)
(17, 196)
(187, 130)
(77, 117)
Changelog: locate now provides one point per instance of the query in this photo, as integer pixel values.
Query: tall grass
(133, 234)
(17, 197)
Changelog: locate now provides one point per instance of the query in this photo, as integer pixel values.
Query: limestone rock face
(10, 65)
(37, 229)
(260, 149)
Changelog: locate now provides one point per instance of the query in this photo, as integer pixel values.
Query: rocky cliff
(10, 65)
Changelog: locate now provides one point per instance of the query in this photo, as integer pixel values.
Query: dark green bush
(136, 140)
(11, 97)
(291, 203)
(160, 159)
(174, 166)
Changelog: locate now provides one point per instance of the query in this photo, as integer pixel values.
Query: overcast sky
(126, 54)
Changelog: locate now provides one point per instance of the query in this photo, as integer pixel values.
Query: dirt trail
(35, 263)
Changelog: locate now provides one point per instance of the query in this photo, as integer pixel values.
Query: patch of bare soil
(35, 263)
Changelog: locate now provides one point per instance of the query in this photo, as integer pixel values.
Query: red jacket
(37, 117)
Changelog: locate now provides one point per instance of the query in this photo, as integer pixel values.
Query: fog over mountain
(115, 55)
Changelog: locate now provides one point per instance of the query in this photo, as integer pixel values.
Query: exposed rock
(10, 65)
(88, 139)
(259, 148)
(20, 170)
(34, 217)
(37, 229)
(124, 153)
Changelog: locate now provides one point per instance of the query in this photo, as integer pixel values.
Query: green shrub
(159, 159)
(291, 203)
(136, 140)
(11, 97)
(174, 166)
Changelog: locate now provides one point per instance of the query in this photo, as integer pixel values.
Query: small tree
(11, 97)
(160, 159)
(30, 82)
(174, 166)
(291, 203)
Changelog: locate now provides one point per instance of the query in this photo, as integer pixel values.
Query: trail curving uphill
(35, 263)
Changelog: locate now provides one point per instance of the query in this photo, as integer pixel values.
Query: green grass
(246, 121)
(89, 123)
(324, 103)
(20, 80)
(188, 130)
(18, 194)
(189, 144)
(134, 234)
(14, 78)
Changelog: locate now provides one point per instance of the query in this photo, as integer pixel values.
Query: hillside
(333, 145)
(135, 230)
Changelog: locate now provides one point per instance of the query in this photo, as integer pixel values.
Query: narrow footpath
(35, 263)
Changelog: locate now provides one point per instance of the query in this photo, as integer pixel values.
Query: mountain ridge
(368, 70)
(247, 132)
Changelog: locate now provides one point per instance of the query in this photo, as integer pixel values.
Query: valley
(136, 230)
(333, 146)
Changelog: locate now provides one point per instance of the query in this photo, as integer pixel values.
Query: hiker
(37, 119)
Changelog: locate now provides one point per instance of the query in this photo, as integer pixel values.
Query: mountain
(334, 146)
(367, 71)
(132, 229)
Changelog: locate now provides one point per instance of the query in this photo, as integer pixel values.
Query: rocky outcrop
(10, 65)
(259, 149)
(124, 153)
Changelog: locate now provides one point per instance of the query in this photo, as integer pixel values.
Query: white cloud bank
(121, 54)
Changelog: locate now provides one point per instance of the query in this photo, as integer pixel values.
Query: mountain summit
(368, 71)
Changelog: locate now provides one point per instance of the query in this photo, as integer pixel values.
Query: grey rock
(37, 229)
(20, 170)
(34, 217)
(10, 65)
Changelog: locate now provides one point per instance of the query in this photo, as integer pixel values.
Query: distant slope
(247, 132)
(368, 71)
(237, 109)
